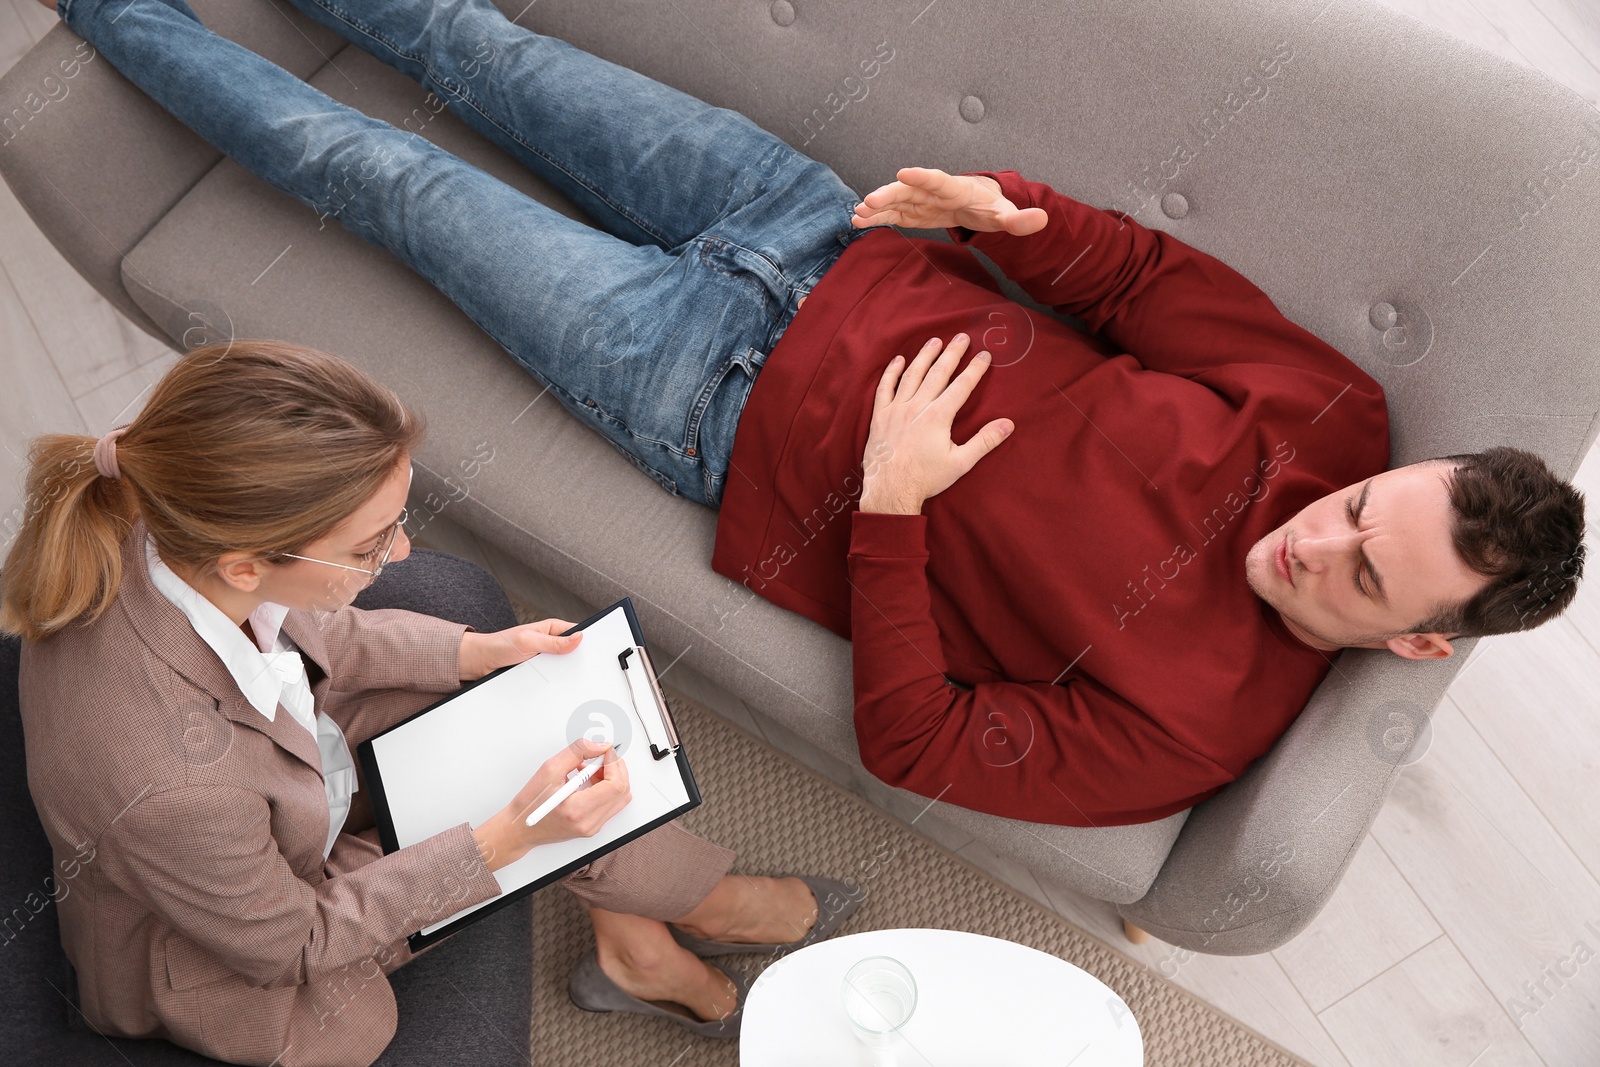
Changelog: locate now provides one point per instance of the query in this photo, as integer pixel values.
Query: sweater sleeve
(1069, 753)
(204, 859)
(1171, 306)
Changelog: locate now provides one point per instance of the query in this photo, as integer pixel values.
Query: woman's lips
(1281, 558)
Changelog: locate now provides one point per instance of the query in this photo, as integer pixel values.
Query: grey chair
(1416, 202)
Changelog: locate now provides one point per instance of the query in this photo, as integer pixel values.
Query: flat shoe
(836, 902)
(593, 990)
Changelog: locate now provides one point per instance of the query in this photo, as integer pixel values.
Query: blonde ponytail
(253, 446)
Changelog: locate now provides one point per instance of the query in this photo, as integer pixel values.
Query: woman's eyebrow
(381, 532)
(410, 476)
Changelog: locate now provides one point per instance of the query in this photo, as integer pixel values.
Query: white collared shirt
(268, 675)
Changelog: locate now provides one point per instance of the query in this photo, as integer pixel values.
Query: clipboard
(463, 757)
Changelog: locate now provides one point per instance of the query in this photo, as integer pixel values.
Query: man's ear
(1420, 646)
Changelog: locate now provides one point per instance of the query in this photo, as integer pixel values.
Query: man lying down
(1089, 577)
(1091, 583)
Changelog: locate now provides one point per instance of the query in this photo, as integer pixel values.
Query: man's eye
(1350, 511)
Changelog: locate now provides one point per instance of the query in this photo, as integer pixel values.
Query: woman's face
(239, 583)
(357, 542)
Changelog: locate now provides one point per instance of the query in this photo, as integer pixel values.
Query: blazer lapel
(305, 630)
(169, 635)
(284, 728)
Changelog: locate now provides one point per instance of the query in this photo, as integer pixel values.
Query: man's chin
(1274, 600)
(1255, 564)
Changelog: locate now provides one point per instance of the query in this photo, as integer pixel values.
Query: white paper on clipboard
(464, 760)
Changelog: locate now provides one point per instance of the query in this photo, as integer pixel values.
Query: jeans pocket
(708, 433)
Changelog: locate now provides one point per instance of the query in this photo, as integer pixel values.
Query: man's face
(1397, 546)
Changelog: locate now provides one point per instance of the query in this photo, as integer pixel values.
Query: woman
(192, 681)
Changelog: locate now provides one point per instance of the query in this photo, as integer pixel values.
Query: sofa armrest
(1256, 863)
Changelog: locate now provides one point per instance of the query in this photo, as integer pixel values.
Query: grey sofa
(1424, 207)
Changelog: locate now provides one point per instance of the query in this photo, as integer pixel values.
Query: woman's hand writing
(504, 837)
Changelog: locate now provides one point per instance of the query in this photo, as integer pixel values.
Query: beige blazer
(199, 907)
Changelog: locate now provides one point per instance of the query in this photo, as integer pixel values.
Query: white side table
(979, 1000)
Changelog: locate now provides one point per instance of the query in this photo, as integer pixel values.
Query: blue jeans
(653, 332)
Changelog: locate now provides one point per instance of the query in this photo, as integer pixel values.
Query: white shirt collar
(263, 673)
(267, 675)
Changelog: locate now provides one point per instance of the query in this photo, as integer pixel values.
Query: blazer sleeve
(1070, 754)
(391, 648)
(204, 859)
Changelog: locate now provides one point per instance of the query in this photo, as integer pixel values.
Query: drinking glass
(879, 996)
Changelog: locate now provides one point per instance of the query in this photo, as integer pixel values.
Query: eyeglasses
(385, 547)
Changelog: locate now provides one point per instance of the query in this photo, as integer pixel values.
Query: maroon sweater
(1065, 635)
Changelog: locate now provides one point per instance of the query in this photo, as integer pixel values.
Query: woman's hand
(483, 654)
(928, 199)
(910, 455)
(504, 837)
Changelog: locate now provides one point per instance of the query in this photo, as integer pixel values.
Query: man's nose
(1315, 552)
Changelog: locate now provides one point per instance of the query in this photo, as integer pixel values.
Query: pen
(576, 780)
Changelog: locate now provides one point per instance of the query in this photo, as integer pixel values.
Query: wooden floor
(1467, 930)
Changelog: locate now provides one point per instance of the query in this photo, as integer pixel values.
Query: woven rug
(782, 818)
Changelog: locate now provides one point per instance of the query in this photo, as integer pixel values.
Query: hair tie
(105, 453)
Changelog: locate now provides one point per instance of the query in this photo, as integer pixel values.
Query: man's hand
(911, 416)
(483, 654)
(928, 199)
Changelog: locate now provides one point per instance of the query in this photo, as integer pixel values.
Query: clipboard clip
(643, 677)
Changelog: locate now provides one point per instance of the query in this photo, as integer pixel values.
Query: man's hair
(1514, 522)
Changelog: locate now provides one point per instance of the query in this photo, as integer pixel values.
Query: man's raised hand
(925, 198)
